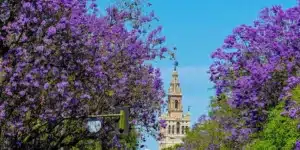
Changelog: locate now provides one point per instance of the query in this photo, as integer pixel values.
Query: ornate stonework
(177, 121)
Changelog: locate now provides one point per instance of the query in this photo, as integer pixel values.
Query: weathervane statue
(175, 65)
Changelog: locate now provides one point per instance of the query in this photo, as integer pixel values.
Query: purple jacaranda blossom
(34, 19)
(163, 123)
(256, 70)
(62, 84)
(40, 48)
(61, 26)
(36, 84)
(145, 19)
(46, 86)
(2, 115)
(116, 141)
(27, 5)
(51, 31)
(293, 112)
(164, 49)
(22, 93)
(8, 91)
(2, 112)
(73, 55)
(85, 96)
(297, 145)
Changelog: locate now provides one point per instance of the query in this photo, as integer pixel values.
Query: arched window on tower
(182, 129)
(169, 129)
(173, 129)
(176, 104)
(178, 128)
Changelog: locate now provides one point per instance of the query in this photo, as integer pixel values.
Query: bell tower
(175, 96)
(177, 122)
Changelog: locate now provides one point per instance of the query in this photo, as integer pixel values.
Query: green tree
(280, 132)
(209, 132)
(204, 135)
(175, 147)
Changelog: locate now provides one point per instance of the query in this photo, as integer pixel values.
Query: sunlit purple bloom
(8, 91)
(35, 20)
(40, 48)
(22, 93)
(51, 31)
(36, 84)
(46, 86)
(61, 26)
(163, 123)
(85, 96)
(62, 84)
(292, 112)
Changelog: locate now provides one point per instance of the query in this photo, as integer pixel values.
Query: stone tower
(177, 121)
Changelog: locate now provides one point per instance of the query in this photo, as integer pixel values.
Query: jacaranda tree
(61, 61)
(256, 68)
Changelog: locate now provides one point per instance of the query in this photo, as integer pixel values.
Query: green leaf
(110, 93)
(26, 138)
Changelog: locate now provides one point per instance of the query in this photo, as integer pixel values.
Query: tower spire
(174, 88)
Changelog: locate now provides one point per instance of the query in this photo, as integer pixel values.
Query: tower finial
(175, 65)
(174, 85)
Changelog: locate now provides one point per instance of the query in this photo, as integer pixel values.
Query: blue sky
(197, 28)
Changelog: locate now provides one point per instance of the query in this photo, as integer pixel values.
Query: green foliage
(210, 132)
(296, 94)
(131, 140)
(220, 108)
(261, 145)
(280, 132)
(205, 134)
(88, 145)
(175, 147)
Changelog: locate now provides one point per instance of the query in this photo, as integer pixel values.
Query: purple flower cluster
(51, 31)
(297, 145)
(67, 60)
(257, 66)
(163, 123)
